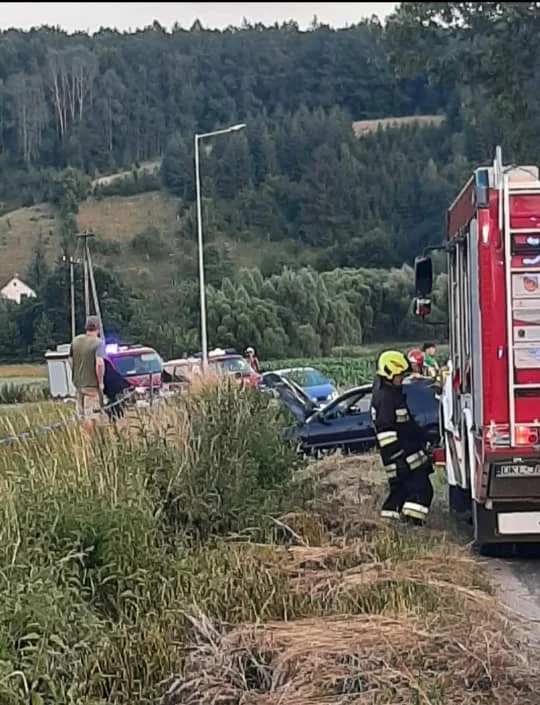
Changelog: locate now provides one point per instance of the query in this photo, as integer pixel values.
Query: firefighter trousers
(410, 493)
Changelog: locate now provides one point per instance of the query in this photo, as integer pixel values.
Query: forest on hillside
(72, 107)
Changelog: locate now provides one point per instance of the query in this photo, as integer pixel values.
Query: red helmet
(416, 357)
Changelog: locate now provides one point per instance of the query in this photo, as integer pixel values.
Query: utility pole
(72, 296)
(82, 240)
(89, 280)
(71, 261)
(200, 241)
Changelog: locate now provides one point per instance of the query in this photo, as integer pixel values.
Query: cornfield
(342, 370)
(348, 370)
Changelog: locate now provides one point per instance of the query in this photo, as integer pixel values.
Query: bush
(148, 243)
(221, 464)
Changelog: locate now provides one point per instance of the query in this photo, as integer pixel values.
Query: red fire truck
(490, 403)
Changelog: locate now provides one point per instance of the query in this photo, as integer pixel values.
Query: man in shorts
(88, 371)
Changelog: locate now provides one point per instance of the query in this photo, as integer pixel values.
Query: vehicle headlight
(314, 399)
(331, 396)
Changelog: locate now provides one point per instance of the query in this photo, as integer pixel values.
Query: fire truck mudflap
(490, 403)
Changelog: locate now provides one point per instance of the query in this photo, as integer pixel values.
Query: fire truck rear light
(526, 436)
(438, 456)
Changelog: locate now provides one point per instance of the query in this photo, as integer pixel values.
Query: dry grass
(362, 127)
(119, 218)
(19, 233)
(365, 660)
(16, 372)
(114, 218)
(371, 615)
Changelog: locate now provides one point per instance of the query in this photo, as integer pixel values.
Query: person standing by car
(416, 361)
(253, 360)
(88, 371)
(401, 443)
(430, 361)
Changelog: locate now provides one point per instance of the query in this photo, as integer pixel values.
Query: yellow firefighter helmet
(392, 363)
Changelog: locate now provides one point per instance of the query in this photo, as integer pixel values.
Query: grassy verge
(15, 419)
(190, 557)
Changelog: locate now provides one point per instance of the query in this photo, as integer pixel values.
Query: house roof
(12, 278)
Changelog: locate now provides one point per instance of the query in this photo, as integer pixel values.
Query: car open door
(344, 424)
(293, 396)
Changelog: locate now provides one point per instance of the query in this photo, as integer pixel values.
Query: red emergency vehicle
(221, 361)
(490, 403)
(140, 365)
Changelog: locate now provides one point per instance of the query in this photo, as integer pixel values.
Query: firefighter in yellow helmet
(401, 443)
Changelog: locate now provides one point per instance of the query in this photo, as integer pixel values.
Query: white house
(16, 290)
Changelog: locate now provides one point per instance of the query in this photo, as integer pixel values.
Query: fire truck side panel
(525, 214)
(491, 278)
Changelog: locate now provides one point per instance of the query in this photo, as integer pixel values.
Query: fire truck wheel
(496, 550)
(484, 524)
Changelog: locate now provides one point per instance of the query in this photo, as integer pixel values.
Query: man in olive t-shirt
(88, 369)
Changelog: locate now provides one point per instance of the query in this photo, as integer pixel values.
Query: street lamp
(198, 138)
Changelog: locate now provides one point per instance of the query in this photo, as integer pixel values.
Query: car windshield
(356, 403)
(231, 365)
(138, 364)
(306, 378)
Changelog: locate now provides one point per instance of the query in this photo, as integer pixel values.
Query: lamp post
(204, 333)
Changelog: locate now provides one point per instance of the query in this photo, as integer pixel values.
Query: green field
(351, 369)
(343, 371)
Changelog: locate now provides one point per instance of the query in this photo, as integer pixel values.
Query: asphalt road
(517, 581)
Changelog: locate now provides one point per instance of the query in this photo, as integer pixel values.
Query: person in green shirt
(430, 362)
(88, 371)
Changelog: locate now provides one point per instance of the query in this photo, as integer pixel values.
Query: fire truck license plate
(517, 470)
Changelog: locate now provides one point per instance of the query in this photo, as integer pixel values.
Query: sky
(89, 16)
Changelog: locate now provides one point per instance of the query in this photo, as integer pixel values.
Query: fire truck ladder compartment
(513, 182)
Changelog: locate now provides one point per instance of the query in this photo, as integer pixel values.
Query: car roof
(295, 369)
(132, 351)
(230, 356)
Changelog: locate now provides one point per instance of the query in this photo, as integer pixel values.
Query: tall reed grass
(99, 536)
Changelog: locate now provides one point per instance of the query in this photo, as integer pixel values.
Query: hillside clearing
(19, 233)
(119, 218)
(362, 127)
(148, 167)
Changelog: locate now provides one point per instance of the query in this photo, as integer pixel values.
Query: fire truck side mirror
(422, 307)
(423, 277)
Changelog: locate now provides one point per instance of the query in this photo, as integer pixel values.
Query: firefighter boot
(393, 503)
(419, 496)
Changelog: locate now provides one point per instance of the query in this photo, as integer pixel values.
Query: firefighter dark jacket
(400, 439)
